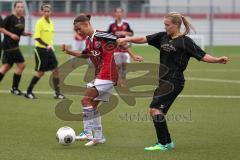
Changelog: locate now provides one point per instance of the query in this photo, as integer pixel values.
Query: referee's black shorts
(45, 59)
(165, 94)
(12, 56)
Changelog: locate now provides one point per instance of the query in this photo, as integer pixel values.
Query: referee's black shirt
(174, 54)
(15, 25)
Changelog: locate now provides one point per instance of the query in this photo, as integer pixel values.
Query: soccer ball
(65, 136)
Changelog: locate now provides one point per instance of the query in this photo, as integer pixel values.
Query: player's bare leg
(3, 70)
(88, 113)
(119, 68)
(161, 128)
(91, 119)
(124, 74)
(97, 127)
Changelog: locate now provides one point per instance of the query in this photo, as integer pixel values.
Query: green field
(204, 121)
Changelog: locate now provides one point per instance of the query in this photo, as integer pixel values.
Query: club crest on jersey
(97, 44)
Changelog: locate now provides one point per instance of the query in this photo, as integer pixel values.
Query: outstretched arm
(138, 40)
(27, 34)
(211, 59)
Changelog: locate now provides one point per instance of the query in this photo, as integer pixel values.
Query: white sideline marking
(31, 71)
(214, 70)
(181, 96)
(209, 96)
(212, 80)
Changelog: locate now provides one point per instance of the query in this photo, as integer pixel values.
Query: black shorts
(45, 59)
(165, 95)
(13, 56)
(0, 54)
(0, 48)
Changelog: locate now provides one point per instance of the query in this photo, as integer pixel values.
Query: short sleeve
(6, 22)
(37, 32)
(193, 49)
(155, 39)
(129, 28)
(109, 28)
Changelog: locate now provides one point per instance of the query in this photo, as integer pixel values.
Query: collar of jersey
(46, 20)
(91, 38)
(119, 24)
(14, 14)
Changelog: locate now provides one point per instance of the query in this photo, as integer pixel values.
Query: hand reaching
(65, 48)
(28, 34)
(121, 41)
(138, 58)
(49, 47)
(14, 37)
(223, 59)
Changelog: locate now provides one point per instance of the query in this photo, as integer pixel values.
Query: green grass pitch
(203, 125)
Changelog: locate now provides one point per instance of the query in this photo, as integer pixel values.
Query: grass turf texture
(202, 128)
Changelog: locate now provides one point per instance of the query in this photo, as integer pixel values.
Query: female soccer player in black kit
(175, 51)
(13, 28)
(1, 20)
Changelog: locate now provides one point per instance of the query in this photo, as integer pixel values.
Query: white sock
(97, 125)
(88, 114)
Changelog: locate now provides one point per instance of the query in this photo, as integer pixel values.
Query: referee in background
(44, 53)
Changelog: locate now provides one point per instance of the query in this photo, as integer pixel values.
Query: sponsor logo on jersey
(95, 53)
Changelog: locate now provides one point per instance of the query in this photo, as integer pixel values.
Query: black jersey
(174, 54)
(1, 21)
(14, 25)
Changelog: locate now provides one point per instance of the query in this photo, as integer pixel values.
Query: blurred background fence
(216, 21)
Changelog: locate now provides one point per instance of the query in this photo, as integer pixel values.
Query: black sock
(32, 84)
(161, 128)
(56, 85)
(169, 140)
(1, 76)
(16, 80)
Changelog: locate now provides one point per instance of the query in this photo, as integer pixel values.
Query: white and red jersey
(100, 49)
(117, 29)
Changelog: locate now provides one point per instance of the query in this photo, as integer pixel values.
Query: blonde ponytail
(178, 19)
(188, 26)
